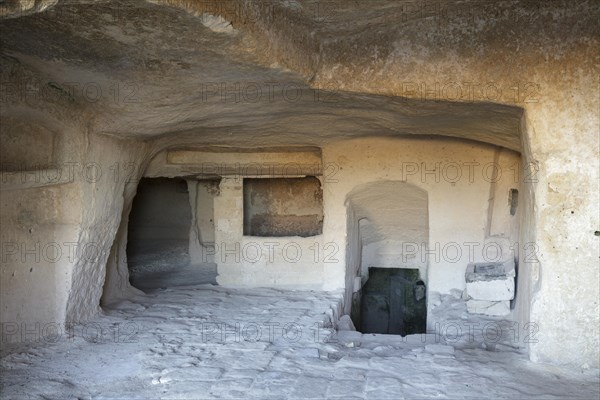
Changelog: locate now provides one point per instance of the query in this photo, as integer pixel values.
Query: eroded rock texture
(96, 93)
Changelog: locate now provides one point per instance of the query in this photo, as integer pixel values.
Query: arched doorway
(387, 222)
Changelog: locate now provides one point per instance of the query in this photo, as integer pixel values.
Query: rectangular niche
(275, 207)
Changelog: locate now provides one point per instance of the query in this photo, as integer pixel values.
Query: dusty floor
(168, 268)
(171, 344)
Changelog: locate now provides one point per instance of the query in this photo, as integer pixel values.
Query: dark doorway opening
(170, 238)
(159, 229)
(392, 302)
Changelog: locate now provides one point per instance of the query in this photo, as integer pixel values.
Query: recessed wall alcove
(387, 221)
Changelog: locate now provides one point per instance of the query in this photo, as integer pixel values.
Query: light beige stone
(123, 85)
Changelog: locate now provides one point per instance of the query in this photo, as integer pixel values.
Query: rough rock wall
(116, 283)
(102, 206)
(290, 261)
(353, 256)
(19, 8)
(67, 212)
(542, 56)
(41, 190)
(564, 137)
(394, 218)
(454, 236)
(39, 231)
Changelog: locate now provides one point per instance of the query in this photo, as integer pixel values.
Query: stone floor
(209, 342)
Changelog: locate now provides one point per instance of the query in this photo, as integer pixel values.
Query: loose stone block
(491, 281)
(496, 308)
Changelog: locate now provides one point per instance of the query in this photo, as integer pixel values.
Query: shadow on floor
(180, 275)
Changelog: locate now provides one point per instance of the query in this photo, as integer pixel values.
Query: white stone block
(496, 308)
(491, 281)
(492, 290)
(499, 248)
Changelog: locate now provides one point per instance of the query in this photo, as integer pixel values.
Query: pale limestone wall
(283, 261)
(103, 203)
(394, 224)
(389, 254)
(549, 67)
(509, 176)
(548, 51)
(116, 285)
(68, 228)
(229, 220)
(202, 230)
(541, 56)
(353, 257)
(458, 206)
(563, 132)
(39, 243)
(261, 261)
(215, 162)
(40, 212)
